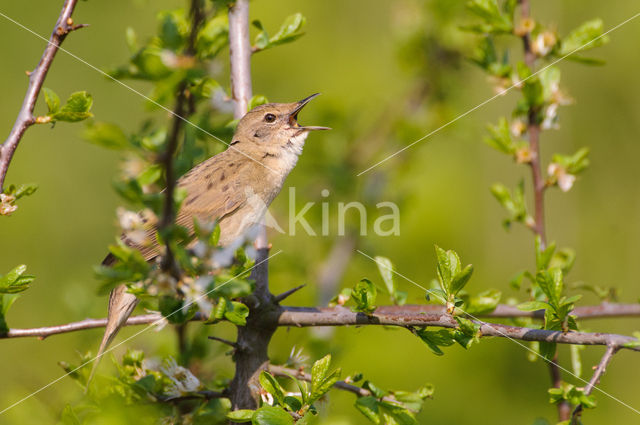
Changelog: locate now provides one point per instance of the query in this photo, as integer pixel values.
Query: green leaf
(396, 415)
(548, 350)
(107, 135)
(213, 37)
(268, 415)
(293, 403)
(436, 339)
(495, 21)
(321, 379)
(151, 175)
(243, 415)
(584, 37)
(543, 256)
(364, 295)
(448, 266)
(467, 333)
(483, 303)
(6, 301)
(52, 100)
(500, 138)
(368, 406)
(69, 416)
(576, 359)
(290, 30)
(257, 100)
(76, 109)
(236, 312)
(461, 278)
(15, 281)
(374, 389)
(385, 267)
(271, 385)
(533, 306)
(173, 29)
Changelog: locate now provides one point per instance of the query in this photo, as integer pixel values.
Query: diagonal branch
(64, 25)
(341, 385)
(597, 374)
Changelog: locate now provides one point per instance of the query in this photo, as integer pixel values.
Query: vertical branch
(64, 25)
(533, 129)
(241, 92)
(179, 116)
(253, 340)
(240, 57)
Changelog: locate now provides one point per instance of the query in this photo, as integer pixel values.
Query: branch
(180, 114)
(64, 25)
(312, 316)
(240, 57)
(502, 311)
(253, 339)
(200, 395)
(597, 374)
(341, 385)
(539, 186)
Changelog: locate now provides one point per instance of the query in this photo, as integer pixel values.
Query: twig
(539, 186)
(342, 385)
(597, 374)
(224, 341)
(286, 294)
(502, 311)
(64, 25)
(200, 395)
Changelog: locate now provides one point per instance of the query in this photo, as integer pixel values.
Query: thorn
(224, 341)
(285, 294)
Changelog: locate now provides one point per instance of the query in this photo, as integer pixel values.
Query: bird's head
(271, 131)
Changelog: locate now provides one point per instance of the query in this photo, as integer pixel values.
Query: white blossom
(182, 380)
(7, 206)
(543, 43)
(564, 179)
(195, 292)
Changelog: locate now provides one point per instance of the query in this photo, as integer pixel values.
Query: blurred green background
(350, 55)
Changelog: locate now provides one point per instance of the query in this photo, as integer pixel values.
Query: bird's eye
(269, 118)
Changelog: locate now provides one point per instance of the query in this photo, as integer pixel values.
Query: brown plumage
(235, 187)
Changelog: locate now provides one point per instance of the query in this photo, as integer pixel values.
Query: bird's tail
(121, 305)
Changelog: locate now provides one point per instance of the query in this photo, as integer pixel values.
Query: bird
(234, 187)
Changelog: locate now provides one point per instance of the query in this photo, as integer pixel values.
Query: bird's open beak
(293, 115)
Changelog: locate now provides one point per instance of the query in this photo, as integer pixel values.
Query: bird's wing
(214, 189)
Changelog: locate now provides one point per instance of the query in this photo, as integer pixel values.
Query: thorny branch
(403, 316)
(64, 25)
